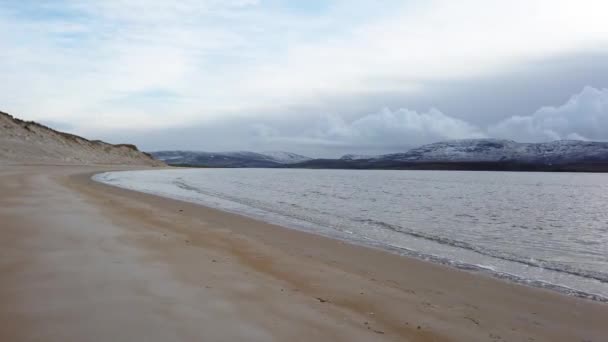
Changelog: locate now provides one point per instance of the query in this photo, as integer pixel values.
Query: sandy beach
(82, 261)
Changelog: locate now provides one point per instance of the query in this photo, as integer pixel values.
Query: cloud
(400, 127)
(441, 41)
(76, 61)
(583, 117)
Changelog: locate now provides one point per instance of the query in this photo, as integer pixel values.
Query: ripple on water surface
(544, 229)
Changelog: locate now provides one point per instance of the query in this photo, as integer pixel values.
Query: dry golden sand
(81, 261)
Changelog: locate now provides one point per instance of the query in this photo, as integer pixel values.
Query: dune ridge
(33, 143)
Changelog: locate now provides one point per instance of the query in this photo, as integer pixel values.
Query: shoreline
(208, 262)
(313, 228)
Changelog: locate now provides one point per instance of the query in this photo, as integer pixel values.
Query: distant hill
(483, 154)
(356, 157)
(494, 150)
(33, 143)
(471, 154)
(229, 159)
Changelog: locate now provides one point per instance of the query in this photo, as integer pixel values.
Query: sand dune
(32, 143)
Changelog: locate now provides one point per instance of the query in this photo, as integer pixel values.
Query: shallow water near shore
(543, 229)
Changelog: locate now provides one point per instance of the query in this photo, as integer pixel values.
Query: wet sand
(82, 261)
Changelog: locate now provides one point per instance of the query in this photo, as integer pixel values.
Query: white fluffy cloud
(583, 117)
(396, 128)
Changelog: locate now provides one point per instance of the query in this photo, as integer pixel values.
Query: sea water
(542, 229)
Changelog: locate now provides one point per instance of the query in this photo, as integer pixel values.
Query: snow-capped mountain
(494, 150)
(472, 154)
(285, 157)
(229, 159)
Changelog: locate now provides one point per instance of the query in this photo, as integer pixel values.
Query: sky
(317, 77)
